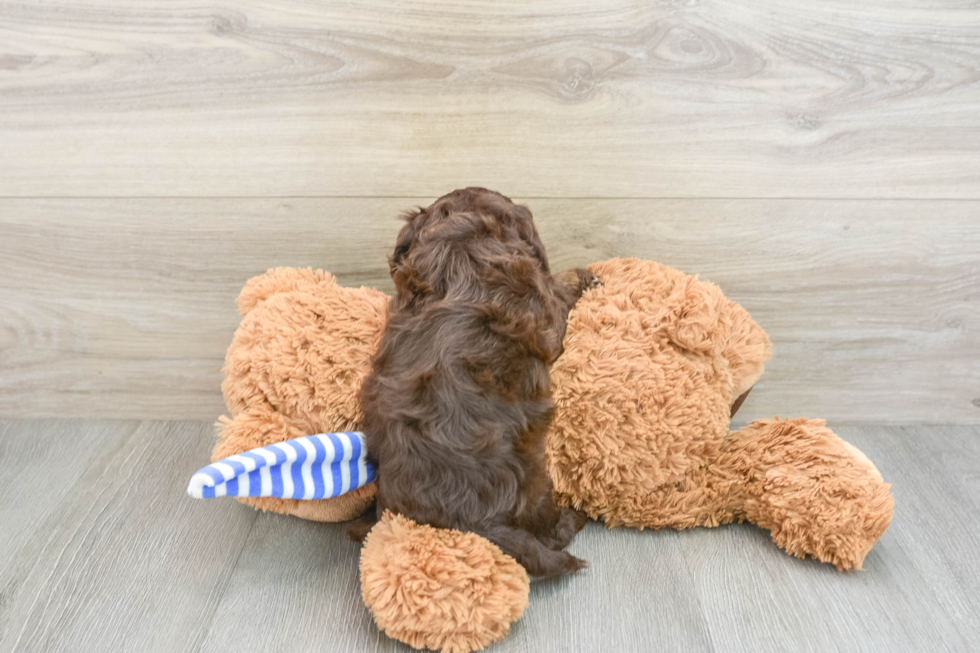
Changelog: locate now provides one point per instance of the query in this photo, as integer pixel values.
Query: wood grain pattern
(124, 307)
(47, 455)
(123, 560)
(295, 588)
(719, 98)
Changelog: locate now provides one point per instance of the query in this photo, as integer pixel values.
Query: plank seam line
(521, 197)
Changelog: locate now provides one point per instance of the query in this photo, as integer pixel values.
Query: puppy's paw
(569, 524)
(589, 280)
(577, 280)
(359, 529)
(573, 564)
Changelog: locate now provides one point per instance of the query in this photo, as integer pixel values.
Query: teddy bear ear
(278, 280)
(690, 316)
(698, 318)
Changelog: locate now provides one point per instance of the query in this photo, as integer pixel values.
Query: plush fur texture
(653, 360)
(440, 589)
(459, 399)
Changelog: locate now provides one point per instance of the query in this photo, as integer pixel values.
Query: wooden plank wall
(820, 161)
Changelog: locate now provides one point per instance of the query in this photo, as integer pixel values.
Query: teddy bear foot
(433, 588)
(818, 495)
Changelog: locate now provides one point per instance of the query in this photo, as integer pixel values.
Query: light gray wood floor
(101, 550)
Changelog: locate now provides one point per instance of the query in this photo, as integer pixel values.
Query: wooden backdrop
(819, 160)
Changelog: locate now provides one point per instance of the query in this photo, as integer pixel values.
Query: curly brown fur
(459, 398)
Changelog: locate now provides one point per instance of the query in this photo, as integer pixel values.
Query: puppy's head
(438, 244)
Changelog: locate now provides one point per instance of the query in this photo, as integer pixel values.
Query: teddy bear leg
(258, 427)
(816, 494)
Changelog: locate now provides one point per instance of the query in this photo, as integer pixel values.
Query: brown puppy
(459, 398)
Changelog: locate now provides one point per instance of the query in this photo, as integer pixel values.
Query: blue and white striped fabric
(319, 466)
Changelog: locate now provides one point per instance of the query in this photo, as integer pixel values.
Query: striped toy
(319, 466)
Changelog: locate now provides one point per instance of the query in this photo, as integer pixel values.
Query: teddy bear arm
(261, 426)
(343, 508)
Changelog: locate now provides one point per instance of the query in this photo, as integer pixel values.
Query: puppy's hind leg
(537, 558)
(572, 283)
(361, 526)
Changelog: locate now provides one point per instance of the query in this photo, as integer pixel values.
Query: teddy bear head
(295, 367)
(654, 360)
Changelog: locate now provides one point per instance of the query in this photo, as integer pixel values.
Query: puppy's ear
(413, 222)
(525, 226)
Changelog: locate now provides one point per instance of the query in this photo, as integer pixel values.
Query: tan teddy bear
(655, 364)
